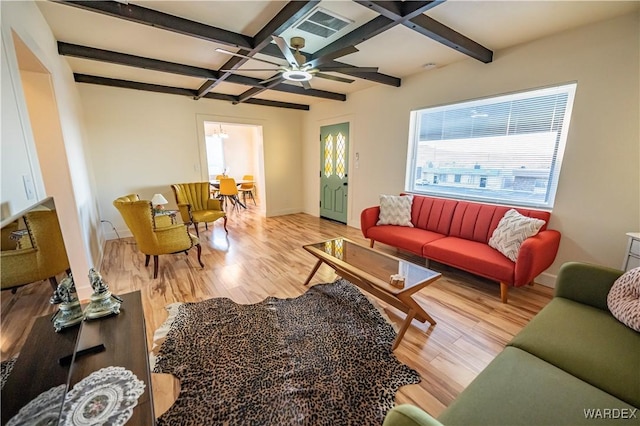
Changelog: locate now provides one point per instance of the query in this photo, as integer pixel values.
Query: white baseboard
(122, 233)
(546, 279)
(283, 212)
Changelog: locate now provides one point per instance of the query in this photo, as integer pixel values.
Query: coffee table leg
(403, 328)
(313, 272)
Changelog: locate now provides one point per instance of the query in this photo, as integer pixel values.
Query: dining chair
(215, 190)
(247, 188)
(151, 239)
(229, 191)
(196, 205)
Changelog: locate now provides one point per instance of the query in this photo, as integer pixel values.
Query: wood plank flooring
(262, 257)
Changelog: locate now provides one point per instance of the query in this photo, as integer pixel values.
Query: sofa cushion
(623, 299)
(476, 221)
(410, 239)
(395, 210)
(517, 388)
(472, 256)
(511, 232)
(432, 214)
(588, 343)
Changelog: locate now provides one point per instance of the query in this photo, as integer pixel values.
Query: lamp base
(102, 305)
(69, 313)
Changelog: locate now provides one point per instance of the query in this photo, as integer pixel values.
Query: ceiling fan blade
(275, 77)
(330, 56)
(227, 52)
(249, 69)
(288, 54)
(349, 69)
(333, 77)
(306, 85)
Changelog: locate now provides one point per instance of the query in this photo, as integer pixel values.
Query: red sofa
(457, 233)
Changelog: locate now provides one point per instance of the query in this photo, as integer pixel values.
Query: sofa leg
(531, 283)
(427, 262)
(504, 292)
(371, 243)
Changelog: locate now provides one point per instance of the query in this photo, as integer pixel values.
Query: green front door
(334, 166)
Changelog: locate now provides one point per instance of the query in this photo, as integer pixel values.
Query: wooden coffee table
(371, 270)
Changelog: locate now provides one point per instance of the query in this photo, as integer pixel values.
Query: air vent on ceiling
(323, 23)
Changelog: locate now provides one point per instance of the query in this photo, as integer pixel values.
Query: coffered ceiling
(179, 47)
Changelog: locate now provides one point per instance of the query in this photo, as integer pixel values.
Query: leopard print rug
(323, 358)
(5, 369)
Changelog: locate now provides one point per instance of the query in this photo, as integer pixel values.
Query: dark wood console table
(37, 368)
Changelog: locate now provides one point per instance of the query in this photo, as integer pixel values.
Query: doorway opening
(50, 159)
(235, 150)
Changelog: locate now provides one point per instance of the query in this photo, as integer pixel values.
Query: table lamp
(158, 202)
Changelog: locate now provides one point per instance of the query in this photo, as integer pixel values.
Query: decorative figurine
(69, 312)
(102, 303)
(397, 280)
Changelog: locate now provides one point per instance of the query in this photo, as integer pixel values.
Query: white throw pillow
(395, 210)
(623, 299)
(511, 232)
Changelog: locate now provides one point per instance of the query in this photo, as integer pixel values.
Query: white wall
(73, 194)
(143, 142)
(598, 198)
(239, 151)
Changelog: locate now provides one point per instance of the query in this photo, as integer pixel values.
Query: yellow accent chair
(196, 205)
(38, 255)
(247, 188)
(154, 239)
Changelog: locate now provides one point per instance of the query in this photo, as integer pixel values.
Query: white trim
(546, 279)
(122, 233)
(283, 212)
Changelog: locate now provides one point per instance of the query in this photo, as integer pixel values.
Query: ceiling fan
(298, 68)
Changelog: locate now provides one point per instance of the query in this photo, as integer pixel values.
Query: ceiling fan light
(295, 75)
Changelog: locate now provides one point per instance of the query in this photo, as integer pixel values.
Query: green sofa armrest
(409, 415)
(586, 283)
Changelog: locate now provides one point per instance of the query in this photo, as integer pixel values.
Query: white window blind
(505, 149)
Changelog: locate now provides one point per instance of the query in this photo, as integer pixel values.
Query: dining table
(216, 182)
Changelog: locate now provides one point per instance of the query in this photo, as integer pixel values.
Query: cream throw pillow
(395, 210)
(623, 299)
(511, 232)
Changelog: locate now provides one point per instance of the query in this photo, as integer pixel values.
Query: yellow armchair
(154, 238)
(39, 255)
(196, 205)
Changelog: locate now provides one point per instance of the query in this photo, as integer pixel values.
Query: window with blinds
(505, 149)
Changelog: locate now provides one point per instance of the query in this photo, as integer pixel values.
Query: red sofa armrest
(368, 219)
(536, 254)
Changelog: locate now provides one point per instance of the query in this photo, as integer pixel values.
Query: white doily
(106, 396)
(44, 410)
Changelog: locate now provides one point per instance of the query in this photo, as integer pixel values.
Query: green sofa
(573, 364)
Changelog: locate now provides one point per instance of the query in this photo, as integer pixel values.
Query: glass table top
(372, 262)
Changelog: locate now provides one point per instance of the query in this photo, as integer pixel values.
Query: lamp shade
(158, 200)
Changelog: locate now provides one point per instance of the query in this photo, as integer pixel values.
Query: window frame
(411, 186)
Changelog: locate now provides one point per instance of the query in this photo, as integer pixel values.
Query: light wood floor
(262, 257)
